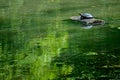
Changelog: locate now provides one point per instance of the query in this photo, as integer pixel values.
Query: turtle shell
(87, 15)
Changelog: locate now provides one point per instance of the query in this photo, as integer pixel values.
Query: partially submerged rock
(87, 19)
(93, 21)
(75, 18)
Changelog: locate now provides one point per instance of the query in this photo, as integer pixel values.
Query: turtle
(87, 19)
(82, 16)
(86, 16)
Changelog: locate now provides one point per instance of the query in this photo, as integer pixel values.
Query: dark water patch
(4, 4)
(5, 23)
(90, 64)
(49, 13)
(11, 40)
(93, 53)
(95, 40)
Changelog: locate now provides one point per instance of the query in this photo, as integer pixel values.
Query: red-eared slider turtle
(86, 16)
(87, 19)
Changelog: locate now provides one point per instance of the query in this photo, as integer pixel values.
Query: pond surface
(39, 42)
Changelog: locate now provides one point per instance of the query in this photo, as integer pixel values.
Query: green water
(39, 42)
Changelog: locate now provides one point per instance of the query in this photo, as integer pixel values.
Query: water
(37, 42)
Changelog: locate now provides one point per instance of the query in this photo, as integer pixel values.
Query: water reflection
(87, 27)
(92, 54)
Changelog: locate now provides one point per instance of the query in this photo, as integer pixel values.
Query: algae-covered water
(39, 42)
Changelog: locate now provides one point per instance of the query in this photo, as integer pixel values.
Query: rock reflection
(87, 27)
